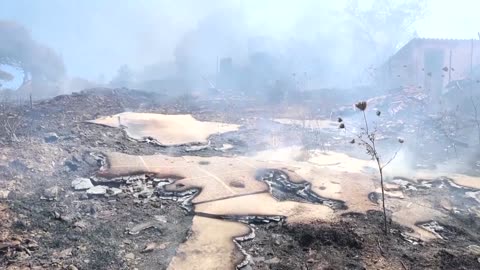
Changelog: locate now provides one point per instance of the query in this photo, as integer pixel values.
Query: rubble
(130, 256)
(194, 148)
(4, 194)
(154, 246)
(114, 191)
(82, 184)
(51, 194)
(97, 190)
(51, 137)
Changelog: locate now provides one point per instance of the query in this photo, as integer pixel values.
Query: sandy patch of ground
(166, 129)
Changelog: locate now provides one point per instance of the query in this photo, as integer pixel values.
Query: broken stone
(274, 260)
(113, 191)
(142, 226)
(97, 190)
(64, 253)
(80, 224)
(51, 194)
(130, 256)
(161, 219)
(259, 259)
(194, 148)
(155, 246)
(72, 267)
(474, 249)
(225, 147)
(51, 137)
(149, 247)
(82, 184)
(4, 194)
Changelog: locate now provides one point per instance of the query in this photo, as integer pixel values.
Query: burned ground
(356, 242)
(46, 225)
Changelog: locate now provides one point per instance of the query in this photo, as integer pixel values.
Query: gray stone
(97, 190)
(274, 260)
(81, 224)
(113, 191)
(82, 184)
(51, 193)
(51, 137)
(194, 148)
(130, 256)
(4, 194)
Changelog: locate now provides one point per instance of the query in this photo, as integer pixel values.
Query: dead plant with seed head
(367, 139)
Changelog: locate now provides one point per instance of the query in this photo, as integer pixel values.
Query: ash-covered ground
(46, 224)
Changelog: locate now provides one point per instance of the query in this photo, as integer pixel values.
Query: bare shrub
(367, 138)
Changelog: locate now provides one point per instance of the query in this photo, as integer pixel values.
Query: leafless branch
(392, 158)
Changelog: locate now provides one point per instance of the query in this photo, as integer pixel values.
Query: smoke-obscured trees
(123, 78)
(18, 49)
(385, 25)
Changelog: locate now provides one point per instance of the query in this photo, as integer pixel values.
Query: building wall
(431, 63)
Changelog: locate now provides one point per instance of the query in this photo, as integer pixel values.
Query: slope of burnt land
(357, 241)
(45, 225)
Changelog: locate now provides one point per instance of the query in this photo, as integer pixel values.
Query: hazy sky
(97, 36)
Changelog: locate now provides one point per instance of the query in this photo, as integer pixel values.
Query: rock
(274, 260)
(97, 190)
(225, 147)
(51, 194)
(155, 246)
(113, 191)
(80, 224)
(194, 148)
(4, 194)
(161, 219)
(65, 253)
(130, 256)
(72, 267)
(474, 249)
(143, 226)
(51, 137)
(149, 247)
(82, 184)
(259, 259)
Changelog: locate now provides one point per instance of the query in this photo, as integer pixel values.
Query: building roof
(417, 41)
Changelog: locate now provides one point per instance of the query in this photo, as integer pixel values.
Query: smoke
(185, 40)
